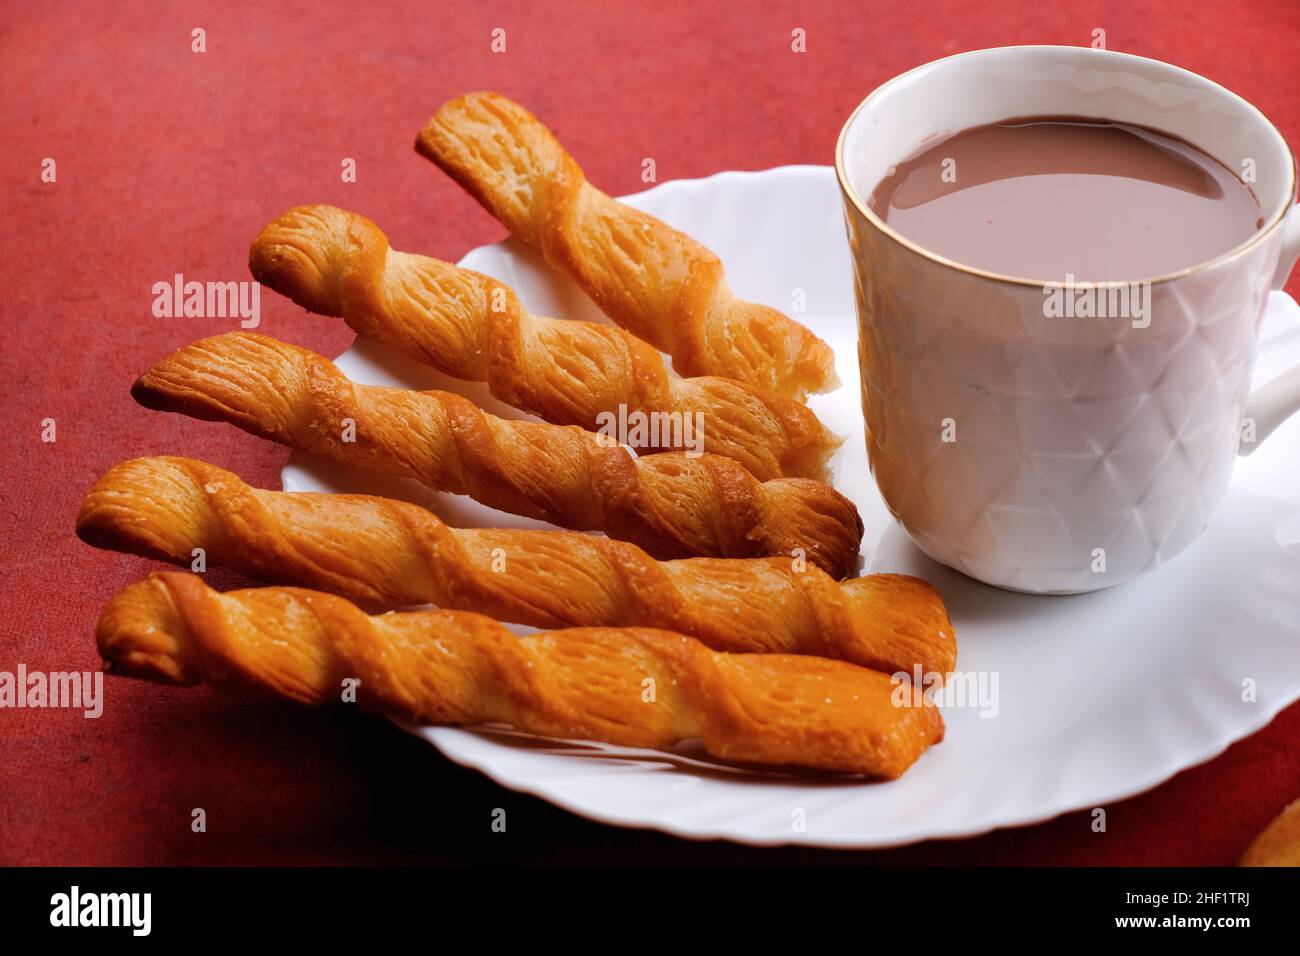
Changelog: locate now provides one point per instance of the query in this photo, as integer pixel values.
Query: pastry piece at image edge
(474, 328)
(658, 283)
(395, 554)
(1279, 844)
(673, 505)
(635, 687)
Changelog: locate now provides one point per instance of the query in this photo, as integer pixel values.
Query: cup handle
(1272, 404)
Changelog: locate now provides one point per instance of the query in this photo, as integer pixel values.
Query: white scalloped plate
(1101, 696)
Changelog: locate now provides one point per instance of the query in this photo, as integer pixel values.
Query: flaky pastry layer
(396, 554)
(656, 282)
(473, 327)
(672, 505)
(629, 686)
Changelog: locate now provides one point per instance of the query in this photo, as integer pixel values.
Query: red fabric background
(170, 161)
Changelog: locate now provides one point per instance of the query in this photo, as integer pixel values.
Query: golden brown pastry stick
(634, 687)
(397, 555)
(472, 327)
(1279, 844)
(656, 282)
(672, 505)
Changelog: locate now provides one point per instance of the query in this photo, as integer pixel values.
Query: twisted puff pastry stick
(635, 687)
(656, 282)
(398, 554)
(472, 327)
(1279, 844)
(671, 505)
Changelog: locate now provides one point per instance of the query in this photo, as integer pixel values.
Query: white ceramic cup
(1050, 454)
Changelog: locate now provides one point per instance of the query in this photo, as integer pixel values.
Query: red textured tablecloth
(170, 161)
